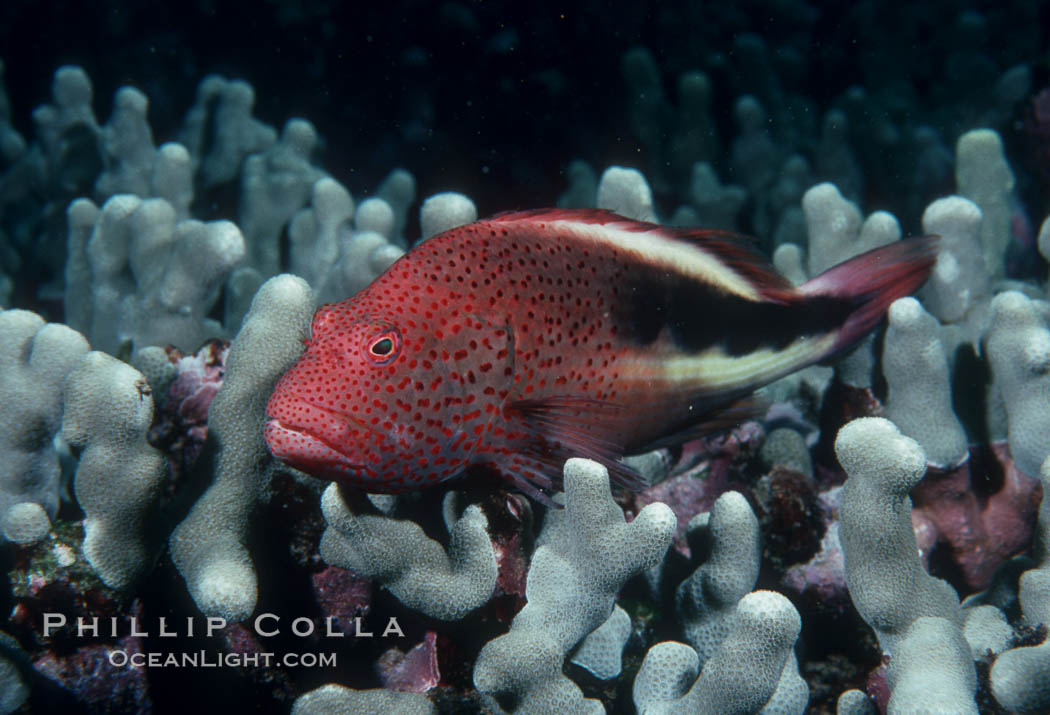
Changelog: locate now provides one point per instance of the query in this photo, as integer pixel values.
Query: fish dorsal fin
(738, 252)
(733, 252)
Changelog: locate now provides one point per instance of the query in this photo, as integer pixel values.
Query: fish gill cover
(182, 186)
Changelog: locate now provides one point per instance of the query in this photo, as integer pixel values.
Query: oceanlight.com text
(213, 659)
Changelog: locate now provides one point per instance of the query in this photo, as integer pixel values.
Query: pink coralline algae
(342, 595)
(198, 380)
(510, 548)
(181, 423)
(706, 468)
(239, 639)
(824, 574)
(415, 671)
(91, 676)
(968, 521)
(878, 688)
(981, 513)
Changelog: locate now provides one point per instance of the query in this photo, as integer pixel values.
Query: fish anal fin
(714, 422)
(623, 475)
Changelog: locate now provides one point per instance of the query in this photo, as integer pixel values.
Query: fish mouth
(312, 454)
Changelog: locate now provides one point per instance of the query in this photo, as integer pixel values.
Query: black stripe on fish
(700, 316)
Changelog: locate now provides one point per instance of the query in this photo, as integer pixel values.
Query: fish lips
(311, 454)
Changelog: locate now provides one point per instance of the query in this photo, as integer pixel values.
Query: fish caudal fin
(872, 281)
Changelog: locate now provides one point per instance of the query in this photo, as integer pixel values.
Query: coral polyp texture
(108, 407)
(584, 555)
(886, 581)
(36, 358)
(1020, 677)
(337, 699)
(742, 676)
(209, 546)
(1018, 345)
(707, 598)
(871, 535)
(919, 399)
(418, 571)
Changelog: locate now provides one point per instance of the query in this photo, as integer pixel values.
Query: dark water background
(495, 98)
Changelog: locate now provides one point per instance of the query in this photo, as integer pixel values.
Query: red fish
(532, 337)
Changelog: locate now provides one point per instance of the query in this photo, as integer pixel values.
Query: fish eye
(384, 347)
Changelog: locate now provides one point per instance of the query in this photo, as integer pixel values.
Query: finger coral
(743, 675)
(584, 555)
(108, 407)
(35, 358)
(886, 581)
(208, 547)
(417, 570)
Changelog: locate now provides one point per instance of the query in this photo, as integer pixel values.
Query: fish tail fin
(871, 282)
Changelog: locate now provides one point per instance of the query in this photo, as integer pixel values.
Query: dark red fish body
(523, 340)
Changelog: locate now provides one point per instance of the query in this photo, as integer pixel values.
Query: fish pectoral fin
(564, 426)
(533, 477)
(708, 423)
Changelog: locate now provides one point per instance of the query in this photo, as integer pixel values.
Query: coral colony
(876, 539)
